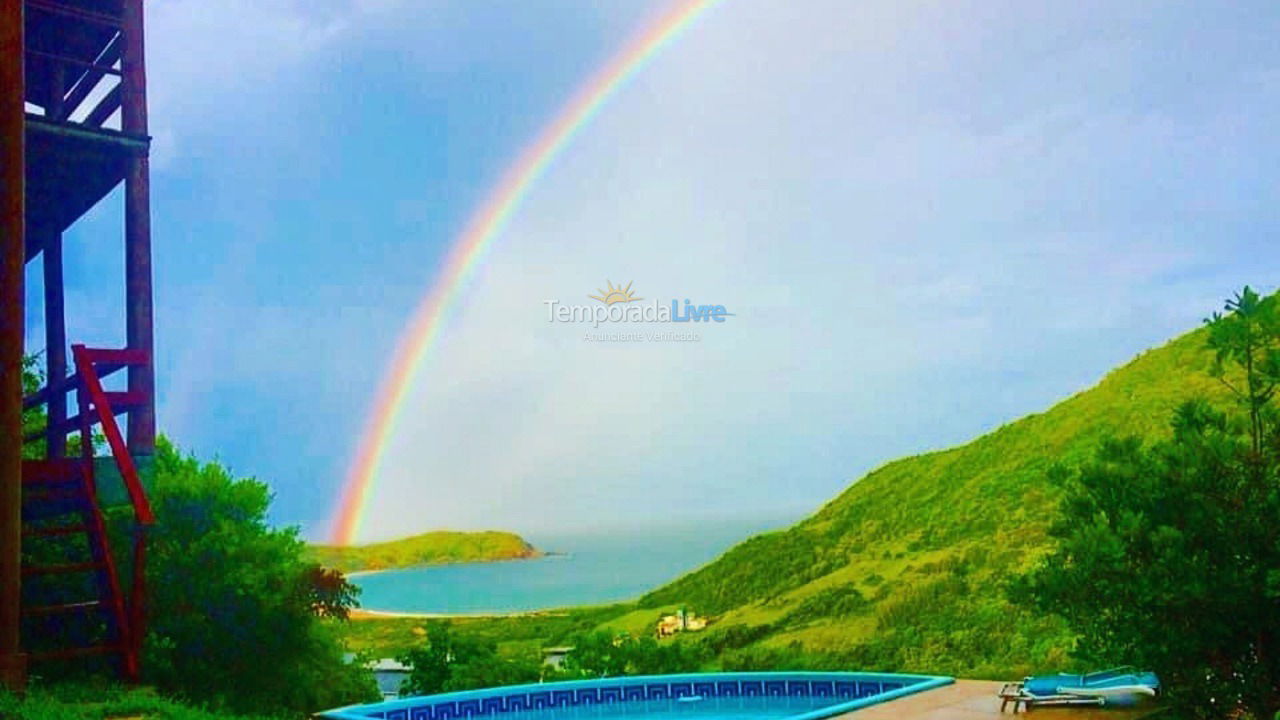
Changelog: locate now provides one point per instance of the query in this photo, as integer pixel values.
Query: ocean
(587, 568)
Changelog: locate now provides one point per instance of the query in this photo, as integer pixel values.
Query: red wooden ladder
(73, 601)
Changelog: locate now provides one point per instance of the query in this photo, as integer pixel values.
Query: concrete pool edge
(903, 684)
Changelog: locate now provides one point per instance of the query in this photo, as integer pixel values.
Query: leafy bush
(732, 637)
(448, 661)
(838, 601)
(235, 611)
(605, 654)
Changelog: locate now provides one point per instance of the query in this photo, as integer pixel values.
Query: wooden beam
(55, 345)
(12, 263)
(57, 89)
(90, 79)
(89, 16)
(56, 59)
(41, 396)
(109, 104)
(137, 234)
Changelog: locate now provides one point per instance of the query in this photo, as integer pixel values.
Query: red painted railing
(105, 406)
(97, 406)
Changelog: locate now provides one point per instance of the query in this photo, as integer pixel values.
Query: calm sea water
(595, 568)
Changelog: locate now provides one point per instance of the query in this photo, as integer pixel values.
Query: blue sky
(928, 218)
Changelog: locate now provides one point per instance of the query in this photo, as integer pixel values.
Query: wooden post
(137, 234)
(12, 264)
(55, 345)
(57, 91)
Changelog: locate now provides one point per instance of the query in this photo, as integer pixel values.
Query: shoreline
(540, 555)
(363, 614)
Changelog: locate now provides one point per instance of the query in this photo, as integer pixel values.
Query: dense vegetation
(603, 653)
(236, 608)
(444, 661)
(426, 549)
(240, 620)
(1168, 552)
(514, 634)
(446, 658)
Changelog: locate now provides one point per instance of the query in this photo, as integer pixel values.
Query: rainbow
(469, 249)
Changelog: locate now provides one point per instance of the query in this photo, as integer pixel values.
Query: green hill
(431, 548)
(904, 570)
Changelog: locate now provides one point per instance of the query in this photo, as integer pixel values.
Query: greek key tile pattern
(525, 700)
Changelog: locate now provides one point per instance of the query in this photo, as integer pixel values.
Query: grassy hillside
(904, 570)
(426, 549)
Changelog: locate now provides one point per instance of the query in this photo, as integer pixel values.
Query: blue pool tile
(787, 688)
(610, 695)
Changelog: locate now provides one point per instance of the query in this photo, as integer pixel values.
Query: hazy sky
(928, 219)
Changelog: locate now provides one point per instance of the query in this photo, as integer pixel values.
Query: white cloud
(202, 55)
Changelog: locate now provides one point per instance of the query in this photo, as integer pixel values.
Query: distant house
(554, 656)
(668, 625)
(389, 674)
(682, 621)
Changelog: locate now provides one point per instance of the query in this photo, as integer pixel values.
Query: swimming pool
(705, 696)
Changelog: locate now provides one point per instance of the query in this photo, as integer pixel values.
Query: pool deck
(976, 700)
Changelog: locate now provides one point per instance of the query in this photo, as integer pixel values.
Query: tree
(448, 661)
(429, 663)
(1168, 554)
(235, 610)
(33, 419)
(606, 654)
(1245, 336)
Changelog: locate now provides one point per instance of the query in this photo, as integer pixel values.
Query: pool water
(704, 696)
(695, 708)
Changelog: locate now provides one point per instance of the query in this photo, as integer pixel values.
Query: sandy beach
(361, 614)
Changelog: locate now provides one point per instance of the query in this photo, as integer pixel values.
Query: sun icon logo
(615, 294)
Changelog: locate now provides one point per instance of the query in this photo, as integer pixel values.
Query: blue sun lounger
(1118, 686)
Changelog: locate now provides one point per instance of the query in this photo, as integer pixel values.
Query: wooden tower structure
(81, 87)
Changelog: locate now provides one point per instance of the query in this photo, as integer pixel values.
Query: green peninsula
(432, 548)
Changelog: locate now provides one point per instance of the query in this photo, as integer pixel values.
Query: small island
(432, 548)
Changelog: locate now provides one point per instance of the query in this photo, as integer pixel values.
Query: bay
(586, 568)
